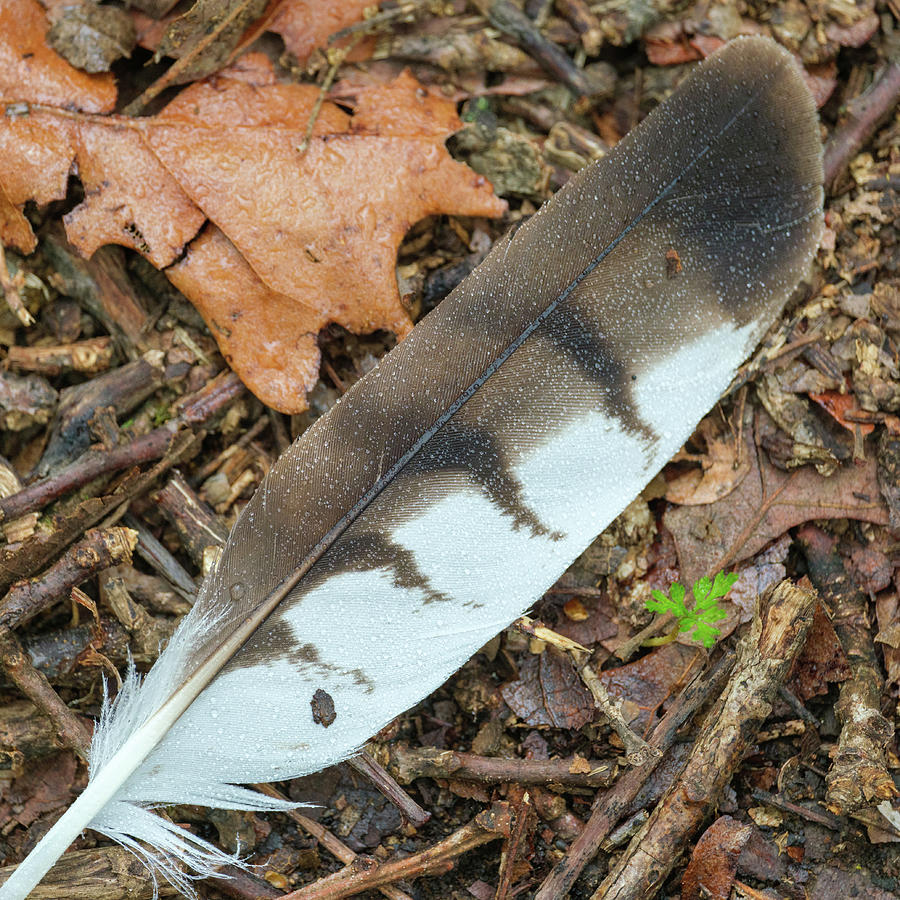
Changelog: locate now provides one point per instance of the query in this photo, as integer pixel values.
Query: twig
(637, 750)
(366, 873)
(121, 390)
(148, 447)
(408, 763)
(864, 114)
(37, 552)
(509, 19)
(819, 816)
(336, 57)
(335, 847)
(412, 812)
(156, 555)
(523, 821)
(99, 550)
(71, 731)
(198, 527)
(106, 874)
(609, 808)
(775, 637)
(90, 356)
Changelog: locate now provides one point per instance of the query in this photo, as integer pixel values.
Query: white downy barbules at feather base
(451, 486)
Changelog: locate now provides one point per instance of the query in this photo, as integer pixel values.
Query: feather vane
(449, 488)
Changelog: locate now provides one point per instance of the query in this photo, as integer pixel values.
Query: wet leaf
(296, 238)
(710, 873)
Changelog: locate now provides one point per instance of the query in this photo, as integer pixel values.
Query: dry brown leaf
(766, 504)
(722, 468)
(298, 238)
(822, 660)
(549, 692)
(710, 873)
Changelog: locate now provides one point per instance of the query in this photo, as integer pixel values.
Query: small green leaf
(700, 621)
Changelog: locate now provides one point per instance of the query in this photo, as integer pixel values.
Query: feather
(449, 488)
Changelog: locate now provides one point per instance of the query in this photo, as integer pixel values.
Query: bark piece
(108, 874)
(858, 776)
(766, 653)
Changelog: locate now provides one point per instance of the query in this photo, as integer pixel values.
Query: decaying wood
(102, 286)
(766, 653)
(23, 560)
(123, 390)
(407, 764)
(89, 356)
(100, 549)
(25, 734)
(612, 805)
(858, 776)
(146, 448)
(198, 527)
(108, 874)
(366, 872)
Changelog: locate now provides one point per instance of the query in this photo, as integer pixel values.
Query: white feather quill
(451, 487)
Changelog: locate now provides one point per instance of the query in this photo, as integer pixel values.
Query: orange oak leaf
(298, 236)
(305, 25)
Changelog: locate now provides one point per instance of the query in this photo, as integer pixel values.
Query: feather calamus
(449, 488)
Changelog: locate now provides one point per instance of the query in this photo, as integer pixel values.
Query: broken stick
(766, 653)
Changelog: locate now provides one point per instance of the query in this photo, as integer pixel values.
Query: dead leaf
(711, 871)
(300, 239)
(92, 37)
(722, 468)
(645, 684)
(549, 692)
(306, 25)
(822, 660)
(33, 73)
(887, 611)
(767, 503)
(839, 406)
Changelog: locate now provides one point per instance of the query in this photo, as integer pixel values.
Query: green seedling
(701, 619)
